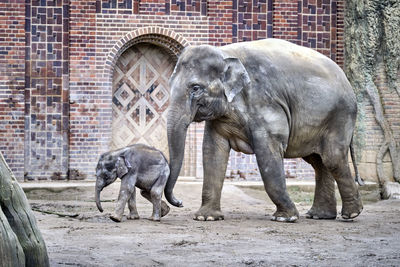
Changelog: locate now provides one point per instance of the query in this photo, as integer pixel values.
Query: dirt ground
(247, 236)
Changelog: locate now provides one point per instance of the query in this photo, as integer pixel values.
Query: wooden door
(141, 97)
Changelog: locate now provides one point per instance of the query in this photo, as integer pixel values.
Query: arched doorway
(141, 96)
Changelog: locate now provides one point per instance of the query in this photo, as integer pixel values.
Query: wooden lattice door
(141, 97)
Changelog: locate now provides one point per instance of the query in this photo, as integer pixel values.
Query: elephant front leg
(125, 192)
(215, 159)
(269, 154)
(133, 214)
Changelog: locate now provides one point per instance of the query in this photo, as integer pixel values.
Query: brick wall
(371, 133)
(46, 89)
(57, 59)
(89, 129)
(12, 83)
(287, 20)
(91, 78)
(219, 17)
(311, 23)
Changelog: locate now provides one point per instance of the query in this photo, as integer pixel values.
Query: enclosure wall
(58, 58)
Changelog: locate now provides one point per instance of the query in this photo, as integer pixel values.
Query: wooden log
(20, 218)
(11, 253)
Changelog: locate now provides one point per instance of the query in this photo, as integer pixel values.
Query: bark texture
(21, 243)
(11, 253)
(371, 45)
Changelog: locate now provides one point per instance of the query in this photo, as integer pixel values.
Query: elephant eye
(196, 88)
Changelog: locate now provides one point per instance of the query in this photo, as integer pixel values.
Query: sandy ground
(247, 236)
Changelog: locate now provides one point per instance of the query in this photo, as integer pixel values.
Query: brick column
(90, 122)
(220, 22)
(46, 92)
(286, 20)
(338, 30)
(252, 20)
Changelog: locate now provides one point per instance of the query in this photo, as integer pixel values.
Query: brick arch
(168, 40)
(170, 43)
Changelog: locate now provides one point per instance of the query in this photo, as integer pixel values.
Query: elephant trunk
(177, 125)
(99, 187)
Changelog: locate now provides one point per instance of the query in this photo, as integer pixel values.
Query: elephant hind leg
(155, 195)
(324, 205)
(336, 161)
(164, 206)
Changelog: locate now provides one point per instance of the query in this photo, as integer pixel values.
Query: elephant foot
(285, 216)
(116, 218)
(351, 210)
(154, 218)
(208, 215)
(164, 209)
(133, 216)
(319, 214)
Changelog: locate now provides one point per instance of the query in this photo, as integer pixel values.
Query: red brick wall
(312, 23)
(56, 94)
(12, 83)
(338, 31)
(287, 20)
(88, 129)
(220, 22)
(90, 86)
(252, 20)
(46, 89)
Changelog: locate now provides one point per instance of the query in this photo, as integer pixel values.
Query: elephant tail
(358, 179)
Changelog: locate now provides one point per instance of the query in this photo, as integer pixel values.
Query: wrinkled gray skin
(137, 165)
(273, 99)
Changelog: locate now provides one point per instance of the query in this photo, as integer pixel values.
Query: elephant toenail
(353, 215)
(280, 219)
(210, 218)
(293, 219)
(200, 218)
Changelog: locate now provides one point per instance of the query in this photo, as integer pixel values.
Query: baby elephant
(137, 165)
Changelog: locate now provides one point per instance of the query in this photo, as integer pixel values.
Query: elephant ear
(236, 77)
(121, 167)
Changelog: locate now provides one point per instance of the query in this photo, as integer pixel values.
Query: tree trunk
(11, 253)
(372, 62)
(21, 243)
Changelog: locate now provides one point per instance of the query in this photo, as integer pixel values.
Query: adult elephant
(273, 99)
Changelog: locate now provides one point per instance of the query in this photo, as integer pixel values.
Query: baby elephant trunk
(99, 187)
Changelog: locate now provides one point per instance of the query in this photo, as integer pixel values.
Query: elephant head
(109, 168)
(204, 82)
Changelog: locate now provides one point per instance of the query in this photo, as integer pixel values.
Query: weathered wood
(17, 212)
(11, 253)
